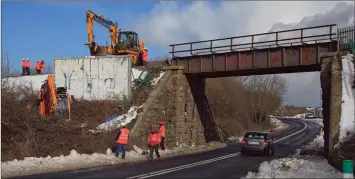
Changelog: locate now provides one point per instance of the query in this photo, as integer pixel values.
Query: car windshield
(255, 136)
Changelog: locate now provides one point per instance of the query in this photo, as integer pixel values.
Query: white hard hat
(145, 48)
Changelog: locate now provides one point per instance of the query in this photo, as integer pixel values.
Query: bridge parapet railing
(292, 37)
(344, 36)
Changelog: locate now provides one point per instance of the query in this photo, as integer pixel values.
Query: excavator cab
(128, 40)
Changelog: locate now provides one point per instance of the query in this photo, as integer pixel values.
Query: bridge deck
(299, 52)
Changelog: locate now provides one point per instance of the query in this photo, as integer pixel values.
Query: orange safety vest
(38, 66)
(145, 56)
(28, 64)
(153, 139)
(123, 138)
(43, 65)
(162, 131)
(24, 64)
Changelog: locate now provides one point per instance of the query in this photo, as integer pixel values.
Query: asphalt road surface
(221, 163)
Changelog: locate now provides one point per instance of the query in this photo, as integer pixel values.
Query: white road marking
(160, 172)
(182, 167)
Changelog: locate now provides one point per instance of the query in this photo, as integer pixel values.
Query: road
(231, 165)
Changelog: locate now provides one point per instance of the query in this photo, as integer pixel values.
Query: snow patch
(318, 121)
(296, 167)
(119, 121)
(74, 161)
(155, 81)
(316, 144)
(278, 124)
(347, 123)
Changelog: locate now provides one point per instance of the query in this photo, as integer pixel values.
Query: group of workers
(155, 139)
(26, 65)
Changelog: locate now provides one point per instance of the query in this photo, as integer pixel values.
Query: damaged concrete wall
(331, 83)
(173, 101)
(95, 78)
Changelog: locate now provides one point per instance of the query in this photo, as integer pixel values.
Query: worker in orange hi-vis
(153, 142)
(122, 141)
(24, 64)
(43, 65)
(145, 56)
(28, 66)
(162, 134)
(38, 67)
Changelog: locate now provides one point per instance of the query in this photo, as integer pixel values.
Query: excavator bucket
(100, 51)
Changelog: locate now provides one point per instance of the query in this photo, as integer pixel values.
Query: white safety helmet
(145, 48)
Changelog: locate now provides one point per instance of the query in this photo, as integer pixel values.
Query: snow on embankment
(127, 118)
(296, 167)
(278, 124)
(347, 120)
(74, 161)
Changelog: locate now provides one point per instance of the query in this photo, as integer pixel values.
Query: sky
(47, 30)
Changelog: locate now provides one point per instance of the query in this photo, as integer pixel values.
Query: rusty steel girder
(301, 55)
(278, 53)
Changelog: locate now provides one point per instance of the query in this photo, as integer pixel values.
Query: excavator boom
(113, 31)
(122, 42)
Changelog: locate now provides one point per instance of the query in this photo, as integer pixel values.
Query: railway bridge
(288, 51)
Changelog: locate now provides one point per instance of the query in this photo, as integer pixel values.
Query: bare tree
(5, 65)
(265, 94)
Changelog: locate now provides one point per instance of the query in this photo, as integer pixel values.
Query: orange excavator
(53, 101)
(122, 42)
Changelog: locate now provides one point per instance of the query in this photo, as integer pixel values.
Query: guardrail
(253, 44)
(344, 35)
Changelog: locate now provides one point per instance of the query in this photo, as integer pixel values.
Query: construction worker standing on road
(153, 142)
(43, 65)
(162, 134)
(145, 56)
(38, 67)
(23, 66)
(122, 141)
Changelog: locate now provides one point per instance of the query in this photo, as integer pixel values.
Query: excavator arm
(122, 42)
(113, 31)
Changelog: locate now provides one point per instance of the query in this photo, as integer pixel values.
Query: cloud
(172, 22)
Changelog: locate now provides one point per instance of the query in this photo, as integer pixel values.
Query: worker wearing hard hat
(28, 66)
(153, 142)
(121, 141)
(162, 135)
(43, 65)
(38, 67)
(24, 66)
(145, 56)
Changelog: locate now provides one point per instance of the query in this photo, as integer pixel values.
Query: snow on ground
(278, 124)
(318, 121)
(347, 122)
(155, 81)
(74, 161)
(316, 144)
(302, 116)
(118, 121)
(306, 166)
